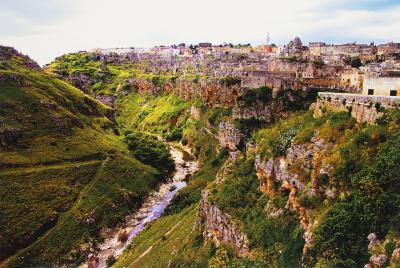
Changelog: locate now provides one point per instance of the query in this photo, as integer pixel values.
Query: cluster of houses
(357, 68)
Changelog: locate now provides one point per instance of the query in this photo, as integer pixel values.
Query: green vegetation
(163, 115)
(240, 197)
(149, 150)
(364, 161)
(373, 206)
(98, 76)
(262, 94)
(65, 172)
(356, 63)
(229, 81)
(159, 240)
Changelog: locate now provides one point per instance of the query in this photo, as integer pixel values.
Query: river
(152, 208)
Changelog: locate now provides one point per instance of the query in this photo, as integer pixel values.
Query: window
(393, 93)
(370, 92)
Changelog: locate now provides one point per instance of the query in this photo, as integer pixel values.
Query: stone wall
(271, 82)
(364, 108)
(278, 105)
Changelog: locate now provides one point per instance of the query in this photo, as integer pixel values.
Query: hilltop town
(367, 68)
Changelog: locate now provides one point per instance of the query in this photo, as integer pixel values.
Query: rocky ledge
(220, 227)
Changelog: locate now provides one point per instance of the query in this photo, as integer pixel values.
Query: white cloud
(83, 25)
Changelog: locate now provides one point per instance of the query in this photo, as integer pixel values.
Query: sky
(45, 29)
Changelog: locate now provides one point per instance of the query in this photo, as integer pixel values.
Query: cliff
(265, 105)
(302, 165)
(220, 227)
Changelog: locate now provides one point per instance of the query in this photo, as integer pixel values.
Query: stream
(151, 209)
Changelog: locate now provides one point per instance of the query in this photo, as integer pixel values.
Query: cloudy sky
(45, 29)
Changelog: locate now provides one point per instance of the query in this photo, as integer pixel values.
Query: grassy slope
(102, 77)
(159, 240)
(162, 115)
(61, 165)
(156, 117)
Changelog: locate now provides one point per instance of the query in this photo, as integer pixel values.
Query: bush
(110, 260)
(251, 96)
(149, 150)
(312, 201)
(230, 81)
(247, 125)
(356, 63)
(123, 236)
(374, 207)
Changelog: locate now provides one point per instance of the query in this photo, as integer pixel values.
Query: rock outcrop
(279, 172)
(378, 257)
(229, 136)
(220, 227)
(278, 105)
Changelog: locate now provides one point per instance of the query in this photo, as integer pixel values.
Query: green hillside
(65, 170)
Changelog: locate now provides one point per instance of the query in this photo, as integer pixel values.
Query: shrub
(251, 96)
(110, 260)
(374, 207)
(356, 63)
(149, 150)
(184, 141)
(310, 201)
(123, 236)
(230, 81)
(247, 125)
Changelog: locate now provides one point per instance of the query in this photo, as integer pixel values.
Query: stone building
(353, 79)
(336, 53)
(389, 48)
(381, 86)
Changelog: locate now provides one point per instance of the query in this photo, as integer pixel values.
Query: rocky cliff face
(229, 136)
(211, 91)
(278, 105)
(220, 227)
(302, 163)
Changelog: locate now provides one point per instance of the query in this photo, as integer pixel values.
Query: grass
(159, 240)
(163, 115)
(65, 172)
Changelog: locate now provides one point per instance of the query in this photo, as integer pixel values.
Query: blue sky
(45, 29)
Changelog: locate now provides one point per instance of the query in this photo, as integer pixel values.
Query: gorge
(264, 177)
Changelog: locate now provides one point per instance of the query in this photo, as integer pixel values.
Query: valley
(108, 160)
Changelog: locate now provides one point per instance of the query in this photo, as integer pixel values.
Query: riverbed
(152, 208)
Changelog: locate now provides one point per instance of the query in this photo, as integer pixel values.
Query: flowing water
(152, 208)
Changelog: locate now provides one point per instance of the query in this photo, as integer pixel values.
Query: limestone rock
(221, 228)
(229, 136)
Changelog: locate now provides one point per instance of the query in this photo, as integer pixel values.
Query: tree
(356, 63)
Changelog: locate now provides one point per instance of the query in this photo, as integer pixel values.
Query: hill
(65, 170)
